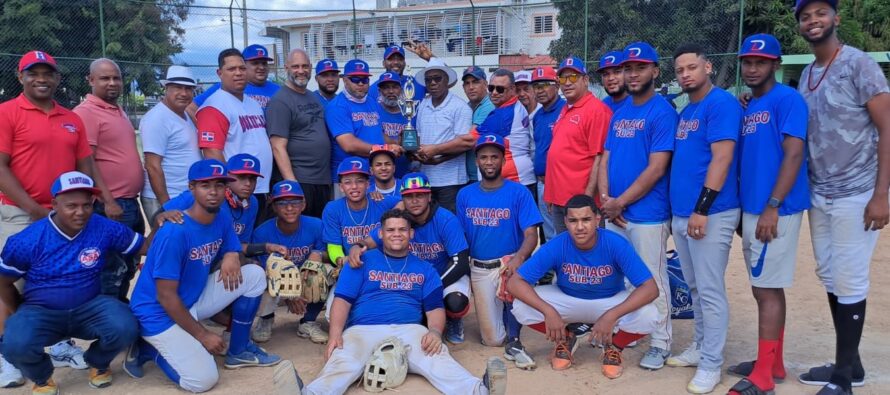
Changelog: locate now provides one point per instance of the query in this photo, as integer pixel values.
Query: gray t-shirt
(300, 119)
(842, 139)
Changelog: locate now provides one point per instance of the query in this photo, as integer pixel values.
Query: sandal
(746, 387)
(744, 369)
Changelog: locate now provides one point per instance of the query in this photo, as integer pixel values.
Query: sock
(512, 325)
(243, 311)
(147, 352)
(540, 327)
(312, 311)
(167, 369)
(850, 319)
(622, 338)
(779, 362)
(762, 376)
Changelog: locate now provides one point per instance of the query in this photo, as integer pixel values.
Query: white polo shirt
(436, 125)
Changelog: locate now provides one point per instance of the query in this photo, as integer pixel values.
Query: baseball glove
(387, 367)
(317, 278)
(283, 277)
(502, 292)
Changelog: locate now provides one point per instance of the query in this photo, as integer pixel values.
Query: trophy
(407, 105)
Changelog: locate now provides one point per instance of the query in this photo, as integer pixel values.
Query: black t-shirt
(299, 117)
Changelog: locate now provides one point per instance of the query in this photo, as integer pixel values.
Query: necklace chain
(364, 217)
(386, 257)
(824, 72)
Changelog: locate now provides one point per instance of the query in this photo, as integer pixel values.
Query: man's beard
(324, 89)
(389, 102)
(298, 83)
(212, 210)
(493, 177)
(620, 91)
(826, 34)
(643, 88)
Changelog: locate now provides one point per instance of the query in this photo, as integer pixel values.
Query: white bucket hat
(179, 75)
(436, 64)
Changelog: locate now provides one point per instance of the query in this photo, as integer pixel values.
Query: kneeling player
(176, 290)
(388, 297)
(591, 265)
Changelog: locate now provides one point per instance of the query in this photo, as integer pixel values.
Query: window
(543, 24)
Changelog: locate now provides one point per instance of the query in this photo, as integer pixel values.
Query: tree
(140, 35)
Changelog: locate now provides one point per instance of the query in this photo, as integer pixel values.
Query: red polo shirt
(578, 137)
(41, 145)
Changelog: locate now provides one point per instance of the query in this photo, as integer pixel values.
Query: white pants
(461, 286)
(572, 309)
(650, 242)
(841, 245)
(771, 265)
(194, 364)
(489, 309)
(347, 364)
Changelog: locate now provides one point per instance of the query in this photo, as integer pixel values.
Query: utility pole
(244, 20)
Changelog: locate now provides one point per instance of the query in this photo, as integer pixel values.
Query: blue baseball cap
(475, 72)
(762, 45)
(572, 63)
(354, 165)
(800, 4)
(490, 139)
(286, 189)
(357, 67)
(244, 164)
(610, 59)
(415, 183)
(640, 52)
(392, 50)
(326, 65)
(256, 51)
(73, 181)
(389, 76)
(209, 169)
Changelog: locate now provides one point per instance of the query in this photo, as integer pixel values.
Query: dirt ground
(809, 341)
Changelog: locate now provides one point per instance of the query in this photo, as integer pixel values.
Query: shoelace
(562, 351)
(611, 356)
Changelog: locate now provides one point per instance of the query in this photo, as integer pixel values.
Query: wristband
(705, 200)
(255, 249)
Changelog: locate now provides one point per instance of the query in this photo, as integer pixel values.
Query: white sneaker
(704, 381)
(689, 357)
(66, 353)
(10, 377)
(313, 331)
(262, 329)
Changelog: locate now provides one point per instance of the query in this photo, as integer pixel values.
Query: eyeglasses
(436, 79)
(360, 80)
(289, 203)
(499, 89)
(571, 78)
(542, 85)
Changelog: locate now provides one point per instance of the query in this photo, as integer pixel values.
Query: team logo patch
(218, 170)
(635, 52)
(610, 60)
(757, 45)
(260, 52)
(285, 188)
(490, 138)
(575, 119)
(239, 228)
(356, 165)
(328, 65)
(89, 257)
(40, 55)
(570, 62)
(69, 127)
(248, 164)
(208, 137)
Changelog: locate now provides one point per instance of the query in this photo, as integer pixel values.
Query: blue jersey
(779, 114)
(242, 219)
(389, 290)
(262, 94)
(396, 192)
(438, 240)
(597, 273)
(715, 118)
(63, 272)
(183, 253)
(543, 122)
(495, 221)
(362, 120)
(419, 90)
(345, 227)
(616, 105)
(300, 244)
(321, 99)
(393, 124)
(636, 132)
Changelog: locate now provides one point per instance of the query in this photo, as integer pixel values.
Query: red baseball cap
(545, 73)
(36, 57)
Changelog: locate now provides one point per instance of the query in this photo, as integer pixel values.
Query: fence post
(231, 24)
(586, 28)
(738, 63)
(473, 29)
(354, 32)
(102, 27)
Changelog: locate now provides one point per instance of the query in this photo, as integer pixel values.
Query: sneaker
(515, 351)
(612, 362)
(563, 353)
(66, 353)
(262, 329)
(495, 377)
(654, 358)
(252, 356)
(313, 331)
(132, 364)
(833, 389)
(100, 378)
(50, 388)
(10, 377)
(454, 331)
(285, 378)
(704, 381)
(821, 375)
(689, 357)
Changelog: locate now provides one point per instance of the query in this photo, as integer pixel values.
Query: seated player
(176, 290)
(439, 241)
(60, 258)
(383, 167)
(301, 236)
(386, 297)
(591, 265)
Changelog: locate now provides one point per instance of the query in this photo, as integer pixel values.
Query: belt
(486, 264)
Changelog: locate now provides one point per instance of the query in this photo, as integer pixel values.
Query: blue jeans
(547, 226)
(32, 328)
(119, 269)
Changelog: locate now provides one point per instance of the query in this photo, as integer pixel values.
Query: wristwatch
(774, 203)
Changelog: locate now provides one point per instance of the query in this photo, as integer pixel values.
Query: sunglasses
(436, 79)
(571, 78)
(289, 203)
(542, 85)
(499, 89)
(360, 80)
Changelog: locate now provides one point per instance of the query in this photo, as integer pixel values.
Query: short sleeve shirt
(511, 122)
(393, 124)
(344, 226)
(262, 94)
(299, 118)
(441, 238)
(543, 122)
(615, 105)
(362, 120)
(495, 221)
(306, 239)
(175, 140)
(241, 218)
(440, 124)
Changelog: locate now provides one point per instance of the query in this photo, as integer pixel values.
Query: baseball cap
(544, 73)
(244, 164)
(610, 59)
(326, 65)
(179, 75)
(34, 58)
(572, 63)
(762, 45)
(285, 189)
(378, 149)
(389, 77)
(73, 181)
(490, 139)
(640, 52)
(353, 165)
(256, 51)
(475, 72)
(392, 50)
(522, 76)
(800, 4)
(209, 169)
(356, 67)
(415, 183)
